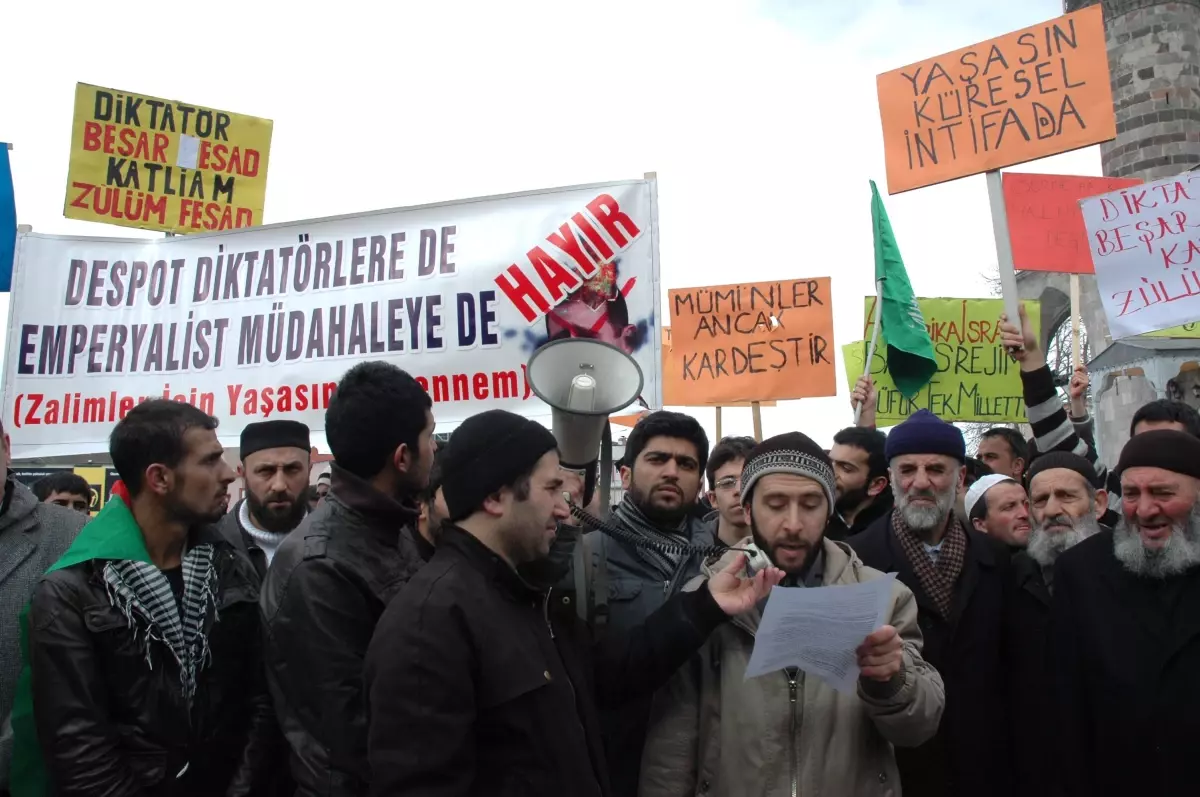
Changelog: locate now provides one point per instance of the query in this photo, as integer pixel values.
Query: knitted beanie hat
(793, 453)
(925, 433)
(487, 452)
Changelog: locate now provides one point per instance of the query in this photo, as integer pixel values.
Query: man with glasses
(725, 489)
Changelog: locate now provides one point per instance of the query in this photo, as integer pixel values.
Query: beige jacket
(716, 734)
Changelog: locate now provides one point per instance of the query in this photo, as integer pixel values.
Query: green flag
(112, 534)
(909, 349)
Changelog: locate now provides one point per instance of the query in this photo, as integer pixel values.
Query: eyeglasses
(729, 483)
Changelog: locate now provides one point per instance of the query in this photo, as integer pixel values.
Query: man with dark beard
(331, 581)
(275, 465)
(662, 472)
(714, 732)
(860, 464)
(1066, 505)
(958, 577)
(1125, 632)
(143, 646)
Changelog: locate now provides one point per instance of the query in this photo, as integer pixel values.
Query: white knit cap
(981, 486)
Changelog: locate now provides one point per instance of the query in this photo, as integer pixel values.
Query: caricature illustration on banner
(1016, 98)
(156, 164)
(1145, 246)
(976, 380)
(261, 323)
(752, 342)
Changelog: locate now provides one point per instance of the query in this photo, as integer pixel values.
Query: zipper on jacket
(791, 674)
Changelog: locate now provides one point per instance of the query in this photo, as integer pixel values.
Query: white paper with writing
(819, 629)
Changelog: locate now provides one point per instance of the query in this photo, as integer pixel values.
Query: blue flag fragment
(8, 221)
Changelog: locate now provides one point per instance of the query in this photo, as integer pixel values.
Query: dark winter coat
(112, 724)
(478, 688)
(1126, 653)
(970, 755)
(327, 586)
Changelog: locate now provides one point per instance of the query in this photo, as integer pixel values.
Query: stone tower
(1154, 61)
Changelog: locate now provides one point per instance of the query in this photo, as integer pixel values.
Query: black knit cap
(487, 452)
(273, 434)
(1168, 449)
(793, 453)
(1053, 460)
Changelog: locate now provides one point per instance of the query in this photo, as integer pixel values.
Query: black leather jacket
(327, 586)
(111, 724)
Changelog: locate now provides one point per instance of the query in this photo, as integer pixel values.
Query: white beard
(925, 518)
(1180, 554)
(1044, 546)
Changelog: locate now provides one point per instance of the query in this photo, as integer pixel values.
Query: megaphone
(584, 381)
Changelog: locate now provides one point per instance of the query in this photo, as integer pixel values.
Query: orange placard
(761, 341)
(1045, 224)
(673, 392)
(1022, 96)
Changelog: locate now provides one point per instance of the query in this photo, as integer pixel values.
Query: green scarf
(112, 535)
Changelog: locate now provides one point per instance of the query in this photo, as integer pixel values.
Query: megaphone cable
(663, 546)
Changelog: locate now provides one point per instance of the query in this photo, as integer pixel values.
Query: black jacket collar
(381, 512)
(457, 542)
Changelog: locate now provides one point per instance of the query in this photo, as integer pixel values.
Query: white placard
(1145, 245)
(261, 322)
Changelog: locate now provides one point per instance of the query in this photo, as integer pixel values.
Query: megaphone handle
(606, 466)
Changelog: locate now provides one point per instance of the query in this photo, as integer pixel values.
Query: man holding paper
(719, 732)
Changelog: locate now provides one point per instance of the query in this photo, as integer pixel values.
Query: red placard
(1044, 222)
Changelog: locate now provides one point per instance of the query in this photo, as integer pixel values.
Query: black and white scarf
(141, 592)
(633, 519)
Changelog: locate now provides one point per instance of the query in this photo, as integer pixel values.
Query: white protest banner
(1145, 246)
(261, 322)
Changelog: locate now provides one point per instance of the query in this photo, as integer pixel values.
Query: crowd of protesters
(436, 623)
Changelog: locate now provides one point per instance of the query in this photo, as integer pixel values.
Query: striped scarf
(632, 518)
(141, 592)
(938, 580)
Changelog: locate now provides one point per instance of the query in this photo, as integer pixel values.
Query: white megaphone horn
(584, 381)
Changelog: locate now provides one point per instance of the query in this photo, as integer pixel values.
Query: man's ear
(241, 471)
(158, 479)
(877, 486)
(1101, 503)
(498, 502)
(712, 497)
(402, 458)
(1024, 464)
(626, 477)
(979, 525)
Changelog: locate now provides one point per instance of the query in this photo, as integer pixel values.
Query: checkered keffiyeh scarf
(937, 580)
(141, 592)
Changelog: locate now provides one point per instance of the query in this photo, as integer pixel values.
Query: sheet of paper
(189, 152)
(818, 629)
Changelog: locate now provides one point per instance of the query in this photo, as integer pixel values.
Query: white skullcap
(980, 487)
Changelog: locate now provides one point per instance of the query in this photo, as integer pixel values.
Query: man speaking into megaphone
(652, 544)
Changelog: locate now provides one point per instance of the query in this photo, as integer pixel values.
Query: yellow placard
(1191, 330)
(156, 164)
(976, 380)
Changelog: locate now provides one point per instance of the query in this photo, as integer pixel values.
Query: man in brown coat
(784, 733)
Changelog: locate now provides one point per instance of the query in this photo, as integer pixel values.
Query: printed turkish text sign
(139, 161)
(1045, 224)
(674, 391)
(1145, 244)
(261, 323)
(754, 342)
(1022, 96)
(976, 379)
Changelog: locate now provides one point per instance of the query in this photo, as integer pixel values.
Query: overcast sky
(757, 114)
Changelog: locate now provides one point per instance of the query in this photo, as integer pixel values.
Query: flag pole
(874, 342)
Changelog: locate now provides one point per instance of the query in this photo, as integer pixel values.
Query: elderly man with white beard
(1066, 504)
(1125, 633)
(958, 576)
